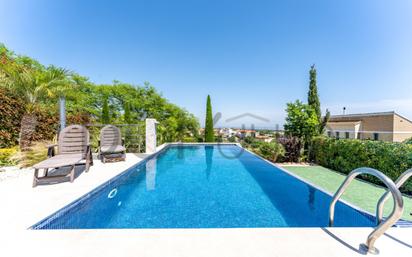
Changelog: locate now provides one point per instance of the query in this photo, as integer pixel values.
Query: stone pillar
(62, 111)
(151, 135)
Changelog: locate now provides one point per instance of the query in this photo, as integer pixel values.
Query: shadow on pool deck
(79, 169)
(360, 250)
(398, 240)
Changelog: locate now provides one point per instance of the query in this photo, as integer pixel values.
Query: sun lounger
(111, 144)
(73, 149)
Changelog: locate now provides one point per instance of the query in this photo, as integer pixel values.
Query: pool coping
(67, 208)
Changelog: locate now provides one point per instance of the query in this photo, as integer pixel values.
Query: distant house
(264, 138)
(385, 126)
(226, 132)
(242, 133)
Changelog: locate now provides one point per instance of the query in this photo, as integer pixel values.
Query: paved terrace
(23, 206)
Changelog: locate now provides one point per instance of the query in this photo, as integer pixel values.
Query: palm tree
(30, 80)
(57, 83)
(21, 79)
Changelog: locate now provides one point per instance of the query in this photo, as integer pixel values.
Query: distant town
(239, 134)
(384, 126)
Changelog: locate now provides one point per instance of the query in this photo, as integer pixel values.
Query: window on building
(359, 135)
(346, 134)
(329, 133)
(375, 136)
(337, 134)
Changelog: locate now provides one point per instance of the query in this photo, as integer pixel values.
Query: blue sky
(250, 56)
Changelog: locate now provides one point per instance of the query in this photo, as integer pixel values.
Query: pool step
(392, 219)
(403, 224)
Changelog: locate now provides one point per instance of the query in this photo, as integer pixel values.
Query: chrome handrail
(399, 182)
(393, 217)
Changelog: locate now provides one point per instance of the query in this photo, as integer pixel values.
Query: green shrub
(189, 140)
(293, 149)
(12, 110)
(5, 156)
(270, 151)
(345, 155)
(408, 141)
(249, 140)
(232, 139)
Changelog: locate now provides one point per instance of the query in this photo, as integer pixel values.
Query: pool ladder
(399, 182)
(392, 218)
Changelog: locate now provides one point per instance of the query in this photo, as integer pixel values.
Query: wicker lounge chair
(111, 144)
(73, 148)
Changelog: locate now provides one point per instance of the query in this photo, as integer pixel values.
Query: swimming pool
(203, 186)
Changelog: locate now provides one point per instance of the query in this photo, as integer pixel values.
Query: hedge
(345, 155)
(11, 112)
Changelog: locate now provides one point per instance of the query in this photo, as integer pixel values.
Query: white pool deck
(22, 206)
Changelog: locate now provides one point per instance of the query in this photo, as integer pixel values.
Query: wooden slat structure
(110, 146)
(73, 148)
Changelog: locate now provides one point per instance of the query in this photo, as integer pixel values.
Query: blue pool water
(203, 186)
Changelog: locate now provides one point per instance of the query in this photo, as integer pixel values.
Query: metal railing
(398, 183)
(393, 217)
(132, 134)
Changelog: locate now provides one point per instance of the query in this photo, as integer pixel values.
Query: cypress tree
(128, 132)
(313, 98)
(209, 133)
(105, 111)
(126, 109)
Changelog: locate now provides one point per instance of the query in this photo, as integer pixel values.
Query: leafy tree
(301, 121)
(59, 84)
(29, 79)
(325, 121)
(85, 98)
(127, 117)
(209, 132)
(40, 87)
(105, 111)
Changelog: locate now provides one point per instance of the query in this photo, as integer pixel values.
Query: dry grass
(37, 153)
